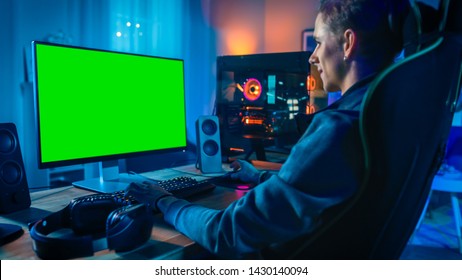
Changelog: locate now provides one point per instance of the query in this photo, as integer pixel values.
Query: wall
(261, 26)
(6, 64)
(200, 54)
(285, 21)
(239, 25)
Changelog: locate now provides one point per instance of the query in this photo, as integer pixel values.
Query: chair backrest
(405, 124)
(405, 121)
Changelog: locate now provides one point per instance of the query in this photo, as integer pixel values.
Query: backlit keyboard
(184, 186)
(181, 187)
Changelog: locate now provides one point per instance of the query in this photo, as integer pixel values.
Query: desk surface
(165, 242)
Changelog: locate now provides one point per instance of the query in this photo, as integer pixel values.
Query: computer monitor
(100, 106)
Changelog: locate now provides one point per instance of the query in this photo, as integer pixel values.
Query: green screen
(93, 104)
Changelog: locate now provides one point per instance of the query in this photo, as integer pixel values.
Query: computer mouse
(228, 182)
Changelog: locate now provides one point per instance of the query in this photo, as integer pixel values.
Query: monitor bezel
(68, 162)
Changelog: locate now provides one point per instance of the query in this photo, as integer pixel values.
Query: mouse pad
(228, 183)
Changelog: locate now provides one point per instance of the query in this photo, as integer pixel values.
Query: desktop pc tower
(258, 97)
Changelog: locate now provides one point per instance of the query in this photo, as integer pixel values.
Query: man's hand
(244, 171)
(147, 192)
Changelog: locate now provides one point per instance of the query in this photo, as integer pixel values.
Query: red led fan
(252, 89)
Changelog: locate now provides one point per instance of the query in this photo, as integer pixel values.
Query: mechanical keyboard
(181, 187)
(184, 186)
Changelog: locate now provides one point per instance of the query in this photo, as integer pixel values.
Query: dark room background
(194, 30)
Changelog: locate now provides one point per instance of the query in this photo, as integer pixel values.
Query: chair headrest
(424, 24)
(420, 27)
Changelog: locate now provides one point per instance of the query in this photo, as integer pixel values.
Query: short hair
(378, 24)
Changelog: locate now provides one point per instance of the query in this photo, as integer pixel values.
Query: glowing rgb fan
(252, 89)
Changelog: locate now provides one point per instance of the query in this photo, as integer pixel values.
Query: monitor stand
(109, 180)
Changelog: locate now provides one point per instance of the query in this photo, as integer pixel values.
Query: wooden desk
(165, 243)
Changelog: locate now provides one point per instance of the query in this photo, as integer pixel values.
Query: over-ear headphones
(90, 224)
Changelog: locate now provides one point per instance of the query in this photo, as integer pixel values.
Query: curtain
(152, 27)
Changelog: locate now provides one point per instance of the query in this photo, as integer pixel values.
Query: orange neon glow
(253, 108)
(310, 83)
(253, 121)
(310, 109)
(239, 40)
(239, 87)
(236, 149)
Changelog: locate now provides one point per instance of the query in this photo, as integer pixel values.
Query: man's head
(363, 33)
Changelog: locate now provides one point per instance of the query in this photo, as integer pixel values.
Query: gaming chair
(404, 124)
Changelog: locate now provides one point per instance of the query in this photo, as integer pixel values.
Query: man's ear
(349, 45)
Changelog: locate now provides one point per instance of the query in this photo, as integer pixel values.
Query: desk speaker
(14, 191)
(208, 144)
